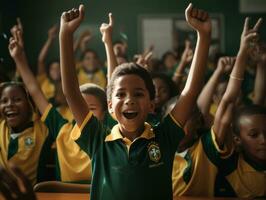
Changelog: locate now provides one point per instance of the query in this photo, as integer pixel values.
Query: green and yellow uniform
(73, 164)
(123, 169)
(190, 171)
(47, 86)
(98, 77)
(28, 150)
(238, 176)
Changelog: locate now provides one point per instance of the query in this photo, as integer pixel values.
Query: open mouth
(11, 114)
(130, 114)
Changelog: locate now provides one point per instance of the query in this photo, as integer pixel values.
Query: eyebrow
(122, 89)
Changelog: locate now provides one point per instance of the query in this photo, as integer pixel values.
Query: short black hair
(95, 90)
(131, 69)
(246, 111)
(88, 50)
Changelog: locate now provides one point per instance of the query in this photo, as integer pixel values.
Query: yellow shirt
(189, 172)
(28, 151)
(97, 77)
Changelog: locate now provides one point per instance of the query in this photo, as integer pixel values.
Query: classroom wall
(38, 16)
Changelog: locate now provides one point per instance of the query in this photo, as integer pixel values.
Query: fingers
(22, 177)
(81, 11)
(19, 24)
(257, 25)
(245, 29)
(199, 14)
(10, 181)
(111, 21)
(148, 56)
(188, 11)
(73, 14)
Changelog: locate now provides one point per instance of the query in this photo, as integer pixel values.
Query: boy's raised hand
(15, 47)
(18, 187)
(107, 29)
(70, 20)
(226, 64)
(187, 54)
(53, 31)
(249, 36)
(198, 19)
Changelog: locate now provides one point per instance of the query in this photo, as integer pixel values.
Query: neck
(21, 128)
(131, 135)
(255, 163)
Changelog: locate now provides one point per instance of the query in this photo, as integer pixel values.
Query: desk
(59, 196)
(79, 196)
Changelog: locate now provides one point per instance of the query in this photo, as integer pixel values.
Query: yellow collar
(115, 133)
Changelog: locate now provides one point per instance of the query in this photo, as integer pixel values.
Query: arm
(200, 21)
(186, 58)
(82, 41)
(260, 82)
(224, 112)
(52, 33)
(18, 54)
(70, 21)
(15, 187)
(106, 30)
(225, 65)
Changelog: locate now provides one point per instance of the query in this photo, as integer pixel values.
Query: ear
(152, 107)
(237, 140)
(110, 109)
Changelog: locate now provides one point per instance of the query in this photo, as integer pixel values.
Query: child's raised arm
(223, 115)
(106, 30)
(260, 81)
(52, 33)
(199, 20)
(224, 67)
(17, 52)
(186, 58)
(70, 21)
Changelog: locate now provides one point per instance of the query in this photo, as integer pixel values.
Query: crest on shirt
(154, 152)
(28, 141)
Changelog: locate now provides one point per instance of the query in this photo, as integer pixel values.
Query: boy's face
(162, 93)
(90, 61)
(130, 103)
(14, 107)
(170, 61)
(54, 71)
(94, 105)
(253, 136)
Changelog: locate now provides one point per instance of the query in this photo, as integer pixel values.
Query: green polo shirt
(123, 169)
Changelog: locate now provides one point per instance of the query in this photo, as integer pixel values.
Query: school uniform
(240, 177)
(29, 150)
(98, 77)
(73, 165)
(194, 174)
(47, 86)
(130, 170)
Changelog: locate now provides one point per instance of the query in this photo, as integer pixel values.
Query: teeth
(130, 111)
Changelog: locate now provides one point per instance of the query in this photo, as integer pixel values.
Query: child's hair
(88, 50)
(13, 84)
(246, 111)
(131, 69)
(173, 90)
(95, 90)
(19, 85)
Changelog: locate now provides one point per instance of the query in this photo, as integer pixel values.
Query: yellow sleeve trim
(177, 123)
(221, 151)
(46, 111)
(75, 135)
